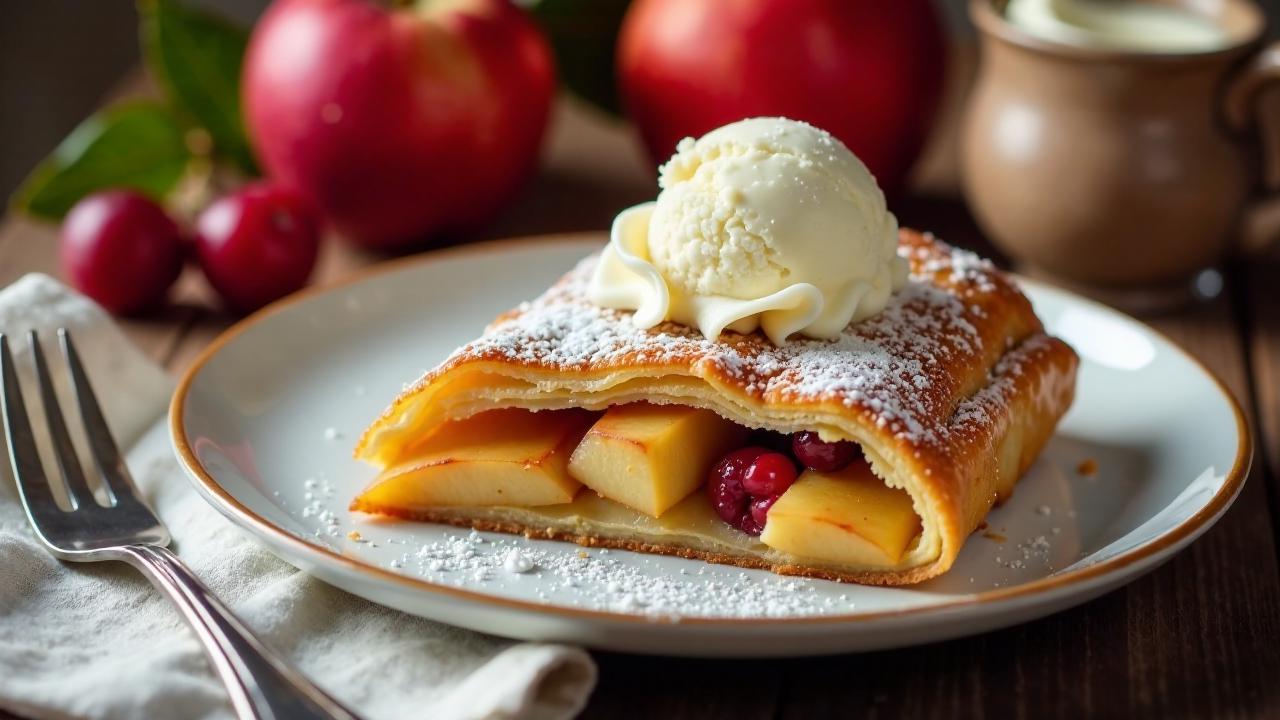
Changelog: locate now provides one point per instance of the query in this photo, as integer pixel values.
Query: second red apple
(398, 124)
(867, 71)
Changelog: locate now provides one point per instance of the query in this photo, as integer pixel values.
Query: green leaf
(583, 35)
(140, 145)
(197, 57)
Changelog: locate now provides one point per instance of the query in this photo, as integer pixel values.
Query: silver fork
(260, 684)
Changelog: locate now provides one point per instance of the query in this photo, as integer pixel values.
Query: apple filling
(644, 466)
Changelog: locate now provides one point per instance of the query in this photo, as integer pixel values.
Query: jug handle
(1252, 106)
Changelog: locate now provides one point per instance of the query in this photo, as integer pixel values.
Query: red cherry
(121, 249)
(257, 245)
(747, 524)
(769, 474)
(760, 508)
(725, 484)
(821, 455)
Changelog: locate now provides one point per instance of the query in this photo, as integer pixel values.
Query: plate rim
(238, 512)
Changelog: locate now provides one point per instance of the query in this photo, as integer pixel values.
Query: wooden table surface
(1197, 637)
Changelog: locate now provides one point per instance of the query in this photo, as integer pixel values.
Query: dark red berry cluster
(255, 245)
(748, 481)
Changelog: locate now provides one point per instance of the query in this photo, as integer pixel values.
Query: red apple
(121, 249)
(398, 124)
(257, 245)
(869, 72)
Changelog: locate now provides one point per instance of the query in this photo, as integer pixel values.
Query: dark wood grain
(645, 687)
(1260, 303)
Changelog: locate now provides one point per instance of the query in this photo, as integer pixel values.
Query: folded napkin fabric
(97, 641)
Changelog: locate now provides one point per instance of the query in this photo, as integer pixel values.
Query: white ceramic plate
(265, 420)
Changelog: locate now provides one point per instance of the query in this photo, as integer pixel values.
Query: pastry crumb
(994, 536)
(1087, 467)
(355, 536)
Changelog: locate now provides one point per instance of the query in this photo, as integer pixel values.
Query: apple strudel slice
(566, 421)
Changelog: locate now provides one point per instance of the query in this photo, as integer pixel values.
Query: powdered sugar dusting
(988, 403)
(599, 580)
(968, 271)
(896, 367)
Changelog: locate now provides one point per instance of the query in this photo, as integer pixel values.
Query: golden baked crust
(952, 392)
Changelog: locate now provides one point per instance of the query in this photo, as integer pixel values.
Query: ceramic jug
(1121, 171)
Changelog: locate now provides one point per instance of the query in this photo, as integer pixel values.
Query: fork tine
(68, 461)
(105, 451)
(23, 453)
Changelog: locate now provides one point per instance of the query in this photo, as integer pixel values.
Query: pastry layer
(951, 391)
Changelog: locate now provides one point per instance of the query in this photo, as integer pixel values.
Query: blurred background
(47, 87)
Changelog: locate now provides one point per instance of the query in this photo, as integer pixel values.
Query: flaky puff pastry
(952, 392)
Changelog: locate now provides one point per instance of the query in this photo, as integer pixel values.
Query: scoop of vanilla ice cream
(766, 222)
(756, 206)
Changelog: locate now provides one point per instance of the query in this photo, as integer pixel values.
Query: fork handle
(261, 686)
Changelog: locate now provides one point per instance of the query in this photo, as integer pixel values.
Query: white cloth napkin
(96, 641)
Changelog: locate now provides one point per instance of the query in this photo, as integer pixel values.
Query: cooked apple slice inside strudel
(867, 458)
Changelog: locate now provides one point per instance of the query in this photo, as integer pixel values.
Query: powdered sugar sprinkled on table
(1032, 550)
(595, 580)
(515, 561)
